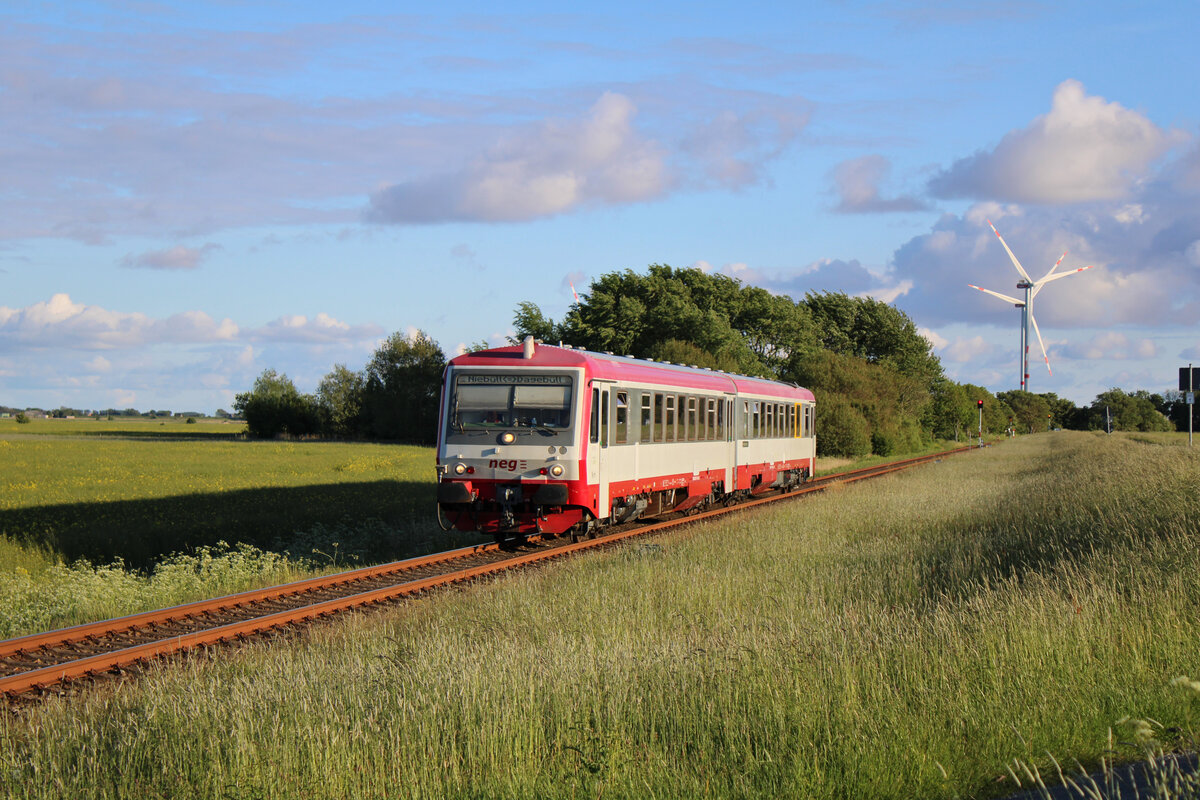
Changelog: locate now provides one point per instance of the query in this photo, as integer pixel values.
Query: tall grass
(60, 595)
(907, 637)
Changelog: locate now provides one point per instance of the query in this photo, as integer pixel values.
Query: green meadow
(101, 519)
(936, 634)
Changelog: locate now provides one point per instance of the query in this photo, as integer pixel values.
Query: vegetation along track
(31, 665)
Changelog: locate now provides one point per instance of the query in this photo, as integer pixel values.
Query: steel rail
(81, 633)
(39, 679)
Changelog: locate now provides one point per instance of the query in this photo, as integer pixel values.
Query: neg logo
(510, 464)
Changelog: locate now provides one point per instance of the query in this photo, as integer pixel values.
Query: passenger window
(711, 418)
(756, 426)
(669, 425)
(594, 435)
(692, 427)
(746, 419)
(604, 419)
(622, 417)
(659, 417)
(647, 418)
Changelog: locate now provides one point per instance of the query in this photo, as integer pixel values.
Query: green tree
(274, 406)
(950, 414)
(1063, 412)
(744, 328)
(402, 384)
(1129, 412)
(1176, 409)
(1031, 412)
(340, 399)
(530, 321)
(873, 330)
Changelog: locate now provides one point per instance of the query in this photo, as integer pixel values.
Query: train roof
(628, 368)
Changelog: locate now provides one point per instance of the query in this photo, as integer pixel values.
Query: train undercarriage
(514, 511)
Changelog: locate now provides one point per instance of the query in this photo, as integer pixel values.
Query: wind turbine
(1031, 288)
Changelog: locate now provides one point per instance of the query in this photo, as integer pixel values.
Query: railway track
(39, 664)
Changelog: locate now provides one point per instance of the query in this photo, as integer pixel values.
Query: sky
(191, 193)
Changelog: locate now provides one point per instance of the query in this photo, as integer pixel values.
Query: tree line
(394, 397)
(879, 386)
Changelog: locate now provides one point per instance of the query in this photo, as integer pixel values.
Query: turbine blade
(1012, 300)
(1016, 263)
(1056, 263)
(1037, 287)
(1040, 342)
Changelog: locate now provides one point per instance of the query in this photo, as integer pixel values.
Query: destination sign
(509, 380)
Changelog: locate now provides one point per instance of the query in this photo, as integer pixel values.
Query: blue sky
(191, 193)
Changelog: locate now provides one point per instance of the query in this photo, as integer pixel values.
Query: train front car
(509, 440)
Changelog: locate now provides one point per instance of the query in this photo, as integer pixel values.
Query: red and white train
(537, 438)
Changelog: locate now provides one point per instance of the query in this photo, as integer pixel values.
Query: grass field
(139, 498)
(150, 512)
(124, 426)
(907, 637)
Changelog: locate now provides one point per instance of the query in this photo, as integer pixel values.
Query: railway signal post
(979, 404)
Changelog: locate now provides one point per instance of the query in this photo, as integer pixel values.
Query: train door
(732, 442)
(598, 441)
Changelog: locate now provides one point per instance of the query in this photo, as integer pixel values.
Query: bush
(841, 428)
(274, 406)
(882, 444)
(21, 418)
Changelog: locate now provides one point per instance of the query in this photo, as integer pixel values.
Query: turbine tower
(1031, 288)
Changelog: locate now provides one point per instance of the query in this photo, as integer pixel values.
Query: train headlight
(460, 468)
(508, 437)
(556, 470)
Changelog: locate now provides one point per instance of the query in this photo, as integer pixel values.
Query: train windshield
(529, 404)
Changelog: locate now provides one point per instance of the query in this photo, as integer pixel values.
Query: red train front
(537, 438)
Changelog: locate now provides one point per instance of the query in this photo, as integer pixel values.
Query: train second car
(537, 438)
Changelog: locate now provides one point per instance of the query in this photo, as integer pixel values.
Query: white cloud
(1084, 149)
(965, 350)
(934, 338)
(856, 183)
(177, 257)
(98, 364)
(320, 329)
(731, 148)
(1145, 271)
(889, 294)
(59, 322)
(62, 323)
(1112, 345)
(555, 167)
